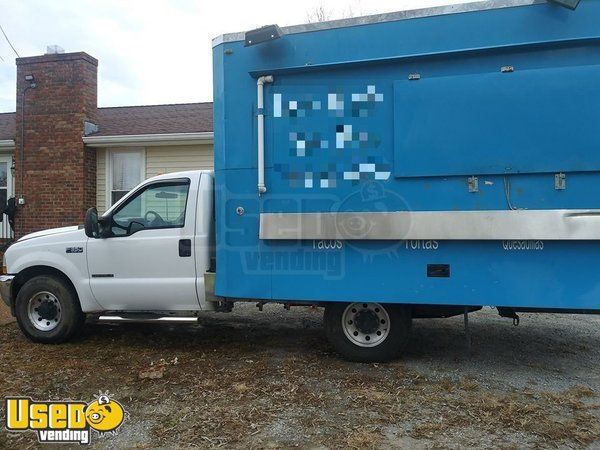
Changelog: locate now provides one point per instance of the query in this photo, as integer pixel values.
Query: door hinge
(560, 181)
(473, 183)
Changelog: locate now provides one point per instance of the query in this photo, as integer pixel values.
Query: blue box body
(348, 131)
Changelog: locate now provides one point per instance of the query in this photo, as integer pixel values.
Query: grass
(294, 392)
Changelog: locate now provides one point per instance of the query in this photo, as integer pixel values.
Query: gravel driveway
(269, 379)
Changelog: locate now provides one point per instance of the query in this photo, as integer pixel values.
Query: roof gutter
(149, 140)
(7, 144)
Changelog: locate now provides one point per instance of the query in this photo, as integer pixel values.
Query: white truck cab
(148, 253)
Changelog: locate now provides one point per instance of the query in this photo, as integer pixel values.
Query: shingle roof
(157, 119)
(132, 120)
(7, 126)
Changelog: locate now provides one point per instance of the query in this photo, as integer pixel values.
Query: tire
(368, 332)
(48, 311)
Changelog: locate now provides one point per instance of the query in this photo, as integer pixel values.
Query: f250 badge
(74, 249)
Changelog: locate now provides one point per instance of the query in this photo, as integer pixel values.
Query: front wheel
(368, 332)
(48, 311)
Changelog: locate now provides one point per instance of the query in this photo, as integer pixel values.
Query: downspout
(260, 83)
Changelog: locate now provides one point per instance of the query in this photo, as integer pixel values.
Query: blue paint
(529, 121)
(462, 118)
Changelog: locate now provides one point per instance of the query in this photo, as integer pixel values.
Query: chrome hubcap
(366, 324)
(44, 311)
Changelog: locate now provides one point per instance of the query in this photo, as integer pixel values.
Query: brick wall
(57, 174)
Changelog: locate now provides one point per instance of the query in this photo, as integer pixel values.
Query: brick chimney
(55, 173)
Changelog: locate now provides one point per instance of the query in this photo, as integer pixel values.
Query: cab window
(157, 206)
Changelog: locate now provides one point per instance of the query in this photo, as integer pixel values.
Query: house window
(4, 168)
(6, 188)
(126, 172)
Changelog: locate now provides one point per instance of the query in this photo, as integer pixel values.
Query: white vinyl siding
(101, 180)
(161, 160)
(158, 160)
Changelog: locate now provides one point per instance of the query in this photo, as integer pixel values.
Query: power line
(9, 43)
(1, 58)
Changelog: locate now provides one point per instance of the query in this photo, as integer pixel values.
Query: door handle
(185, 248)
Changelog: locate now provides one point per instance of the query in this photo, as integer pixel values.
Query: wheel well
(27, 274)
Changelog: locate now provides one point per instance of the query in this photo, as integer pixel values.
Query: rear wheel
(48, 311)
(368, 332)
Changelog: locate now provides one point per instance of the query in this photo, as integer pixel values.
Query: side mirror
(134, 227)
(91, 223)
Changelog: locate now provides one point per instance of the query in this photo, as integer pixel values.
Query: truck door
(148, 262)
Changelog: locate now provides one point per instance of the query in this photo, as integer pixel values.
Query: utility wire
(9, 43)
(1, 58)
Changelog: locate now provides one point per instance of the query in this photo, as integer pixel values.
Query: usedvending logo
(65, 421)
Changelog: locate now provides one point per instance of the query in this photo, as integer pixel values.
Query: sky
(153, 51)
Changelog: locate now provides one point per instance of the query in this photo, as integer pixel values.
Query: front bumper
(5, 288)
